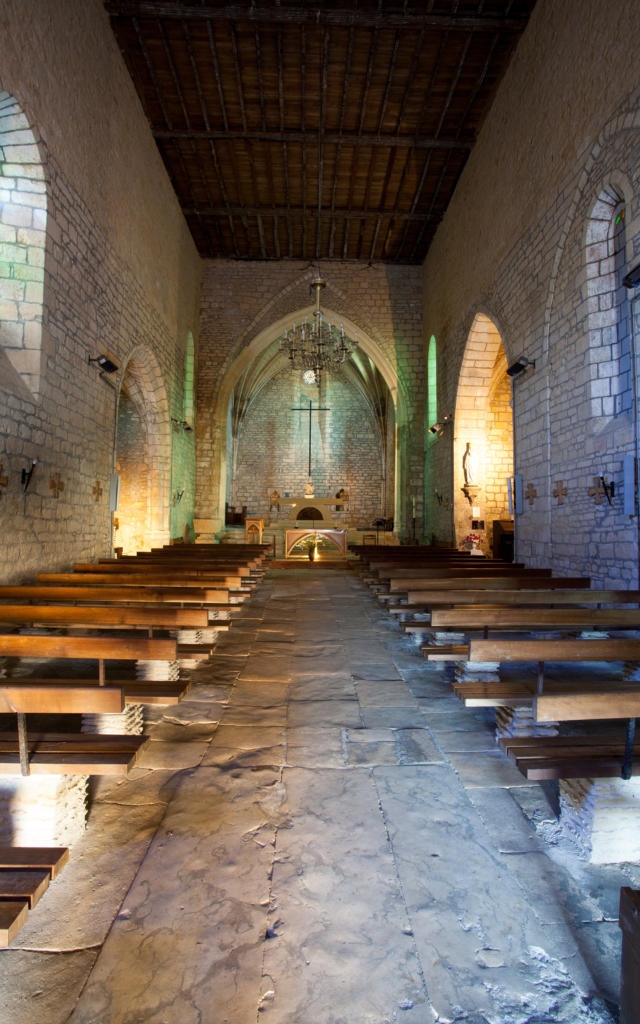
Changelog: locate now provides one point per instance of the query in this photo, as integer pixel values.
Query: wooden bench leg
(23, 744)
(627, 766)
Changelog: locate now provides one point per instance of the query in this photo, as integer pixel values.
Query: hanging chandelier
(316, 344)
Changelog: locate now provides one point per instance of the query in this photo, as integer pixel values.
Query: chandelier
(316, 344)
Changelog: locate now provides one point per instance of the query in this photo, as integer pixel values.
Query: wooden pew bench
(573, 757)
(523, 611)
(214, 601)
(100, 754)
(25, 874)
(224, 591)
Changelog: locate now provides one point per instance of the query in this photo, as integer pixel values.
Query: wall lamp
(520, 364)
(632, 279)
(438, 428)
(181, 425)
(106, 365)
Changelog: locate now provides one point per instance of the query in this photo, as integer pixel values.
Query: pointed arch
(254, 351)
(143, 454)
(609, 332)
(23, 223)
(483, 425)
(189, 381)
(432, 384)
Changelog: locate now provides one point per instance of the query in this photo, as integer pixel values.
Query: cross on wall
(56, 485)
(597, 492)
(96, 490)
(530, 493)
(560, 491)
(4, 480)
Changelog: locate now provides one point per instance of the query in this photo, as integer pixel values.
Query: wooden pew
(106, 617)
(156, 573)
(482, 617)
(162, 581)
(25, 874)
(514, 581)
(574, 756)
(514, 596)
(76, 752)
(78, 593)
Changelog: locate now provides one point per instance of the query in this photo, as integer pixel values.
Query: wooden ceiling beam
(310, 137)
(302, 211)
(382, 18)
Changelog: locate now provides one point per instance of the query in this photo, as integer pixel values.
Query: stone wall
(120, 276)
(242, 304)
(557, 156)
(346, 450)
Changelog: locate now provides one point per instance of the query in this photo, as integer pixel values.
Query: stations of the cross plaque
(310, 410)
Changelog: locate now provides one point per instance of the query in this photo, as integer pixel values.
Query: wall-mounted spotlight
(632, 279)
(181, 425)
(106, 365)
(520, 364)
(438, 427)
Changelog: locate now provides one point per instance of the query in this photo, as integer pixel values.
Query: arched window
(432, 385)
(23, 221)
(611, 386)
(189, 381)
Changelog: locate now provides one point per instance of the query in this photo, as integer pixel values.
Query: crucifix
(300, 408)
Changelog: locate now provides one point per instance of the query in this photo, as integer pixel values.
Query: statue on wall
(274, 500)
(342, 497)
(468, 466)
(308, 488)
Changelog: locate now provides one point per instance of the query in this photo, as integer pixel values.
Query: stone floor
(320, 834)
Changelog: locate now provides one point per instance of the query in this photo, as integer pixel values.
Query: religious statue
(274, 500)
(468, 466)
(308, 488)
(342, 497)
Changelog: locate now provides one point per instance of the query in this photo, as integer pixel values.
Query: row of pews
(487, 616)
(545, 652)
(83, 629)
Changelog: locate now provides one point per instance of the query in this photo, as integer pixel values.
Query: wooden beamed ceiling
(316, 131)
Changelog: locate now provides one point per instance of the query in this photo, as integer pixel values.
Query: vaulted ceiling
(316, 130)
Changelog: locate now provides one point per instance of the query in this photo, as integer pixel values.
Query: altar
(337, 538)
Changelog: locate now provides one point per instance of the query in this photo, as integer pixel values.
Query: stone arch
(189, 381)
(310, 512)
(23, 223)
(608, 329)
(432, 384)
(622, 122)
(142, 455)
(483, 421)
(251, 352)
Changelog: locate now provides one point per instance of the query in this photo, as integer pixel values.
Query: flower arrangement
(473, 538)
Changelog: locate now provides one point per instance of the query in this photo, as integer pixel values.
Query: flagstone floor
(320, 834)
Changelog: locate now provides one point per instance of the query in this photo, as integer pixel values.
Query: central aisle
(337, 842)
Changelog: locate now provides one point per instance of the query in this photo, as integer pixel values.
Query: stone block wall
(120, 276)
(550, 159)
(243, 303)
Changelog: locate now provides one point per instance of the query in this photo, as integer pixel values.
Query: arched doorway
(142, 457)
(483, 438)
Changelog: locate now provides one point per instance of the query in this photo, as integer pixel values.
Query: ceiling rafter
(301, 211)
(299, 131)
(335, 138)
(314, 16)
(185, 114)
